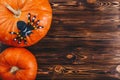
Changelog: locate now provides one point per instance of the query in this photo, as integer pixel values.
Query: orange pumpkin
(17, 64)
(24, 22)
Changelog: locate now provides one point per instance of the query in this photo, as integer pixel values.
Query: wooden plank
(88, 31)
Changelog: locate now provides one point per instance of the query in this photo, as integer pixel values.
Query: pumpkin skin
(20, 58)
(8, 21)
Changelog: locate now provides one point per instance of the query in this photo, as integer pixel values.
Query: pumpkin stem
(14, 69)
(15, 12)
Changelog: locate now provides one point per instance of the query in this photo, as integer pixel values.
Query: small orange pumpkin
(17, 64)
(24, 22)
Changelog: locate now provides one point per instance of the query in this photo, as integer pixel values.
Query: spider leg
(29, 18)
(38, 21)
(37, 25)
(15, 39)
(40, 27)
(33, 20)
(18, 38)
(19, 41)
(14, 33)
(25, 40)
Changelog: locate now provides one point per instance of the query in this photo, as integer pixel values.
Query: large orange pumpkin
(17, 64)
(24, 22)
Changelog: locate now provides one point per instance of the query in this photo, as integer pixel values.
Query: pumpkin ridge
(5, 60)
(22, 4)
(26, 5)
(8, 28)
(3, 21)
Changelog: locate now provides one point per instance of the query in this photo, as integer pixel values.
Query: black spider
(26, 29)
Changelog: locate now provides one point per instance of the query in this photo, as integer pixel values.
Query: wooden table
(83, 42)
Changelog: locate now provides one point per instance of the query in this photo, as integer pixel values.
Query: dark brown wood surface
(83, 42)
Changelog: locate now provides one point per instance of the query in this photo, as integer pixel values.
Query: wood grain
(83, 42)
